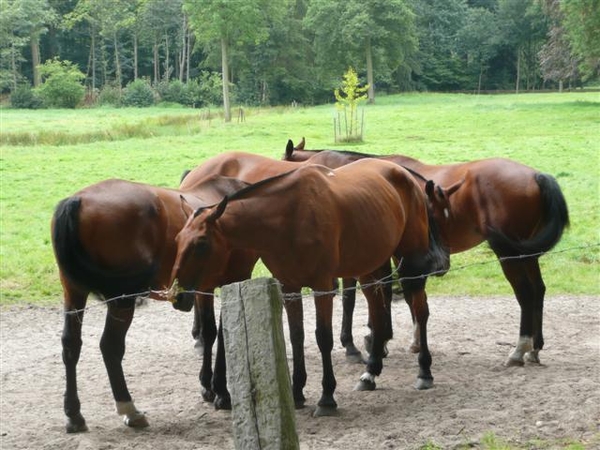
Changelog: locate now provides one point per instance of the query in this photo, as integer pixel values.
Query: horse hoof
(354, 358)
(424, 383)
(222, 403)
(510, 362)
(208, 395)
(299, 401)
(326, 411)
(76, 424)
(415, 348)
(365, 385)
(532, 357)
(137, 420)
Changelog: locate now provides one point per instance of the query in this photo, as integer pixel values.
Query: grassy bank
(48, 154)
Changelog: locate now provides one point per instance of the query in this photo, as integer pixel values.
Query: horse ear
(219, 210)
(300, 146)
(185, 207)
(429, 186)
(453, 188)
(289, 149)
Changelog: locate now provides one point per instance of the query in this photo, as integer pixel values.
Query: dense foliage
(198, 52)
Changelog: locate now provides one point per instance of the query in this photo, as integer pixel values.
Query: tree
(230, 24)
(582, 23)
(523, 29)
(382, 28)
(438, 24)
(30, 20)
(557, 61)
(478, 40)
(11, 44)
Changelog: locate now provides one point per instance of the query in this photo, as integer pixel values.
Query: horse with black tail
(521, 212)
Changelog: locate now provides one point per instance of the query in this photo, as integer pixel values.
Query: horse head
(439, 199)
(200, 256)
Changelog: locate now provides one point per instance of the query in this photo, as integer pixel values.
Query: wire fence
(165, 294)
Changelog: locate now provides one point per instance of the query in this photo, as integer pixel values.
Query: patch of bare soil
(474, 393)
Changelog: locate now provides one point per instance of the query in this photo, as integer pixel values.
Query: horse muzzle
(184, 301)
(179, 298)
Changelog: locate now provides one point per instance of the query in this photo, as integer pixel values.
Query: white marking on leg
(125, 408)
(132, 417)
(368, 377)
(524, 345)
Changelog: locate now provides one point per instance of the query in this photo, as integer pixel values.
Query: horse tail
(556, 218)
(78, 267)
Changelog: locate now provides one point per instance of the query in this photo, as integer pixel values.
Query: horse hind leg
(353, 354)
(530, 297)
(71, 349)
(112, 346)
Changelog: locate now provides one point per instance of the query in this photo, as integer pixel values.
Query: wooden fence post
(257, 372)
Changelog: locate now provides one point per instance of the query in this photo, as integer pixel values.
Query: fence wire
(388, 279)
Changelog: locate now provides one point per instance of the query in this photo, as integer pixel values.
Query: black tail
(76, 264)
(555, 216)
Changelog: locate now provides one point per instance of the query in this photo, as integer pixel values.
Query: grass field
(49, 154)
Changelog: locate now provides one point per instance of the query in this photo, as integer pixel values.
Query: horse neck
(246, 226)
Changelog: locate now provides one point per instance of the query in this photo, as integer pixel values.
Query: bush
(138, 93)
(25, 98)
(110, 95)
(174, 92)
(62, 86)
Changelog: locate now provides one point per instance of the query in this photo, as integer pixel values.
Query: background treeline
(266, 52)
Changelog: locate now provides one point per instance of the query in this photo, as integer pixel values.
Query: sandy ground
(473, 394)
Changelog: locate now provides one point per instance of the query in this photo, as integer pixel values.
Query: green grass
(47, 155)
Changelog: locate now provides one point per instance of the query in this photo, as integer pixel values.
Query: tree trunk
(167, 71)
(371, 90)
(518, 71)
(35, 60)
(13, 63)
(156, 62)
(117, 62)
(480, 77)
(135, 56)
(225, 70)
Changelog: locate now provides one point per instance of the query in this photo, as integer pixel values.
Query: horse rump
(78, 267)
(555, 216)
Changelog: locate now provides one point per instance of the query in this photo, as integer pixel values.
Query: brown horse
(271, 218)
(519, 211)
(116, 239)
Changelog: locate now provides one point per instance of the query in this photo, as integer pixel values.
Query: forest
(265, 52)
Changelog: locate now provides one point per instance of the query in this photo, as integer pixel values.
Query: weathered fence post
(257, 373)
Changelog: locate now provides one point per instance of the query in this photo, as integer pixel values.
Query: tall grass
(47, 155)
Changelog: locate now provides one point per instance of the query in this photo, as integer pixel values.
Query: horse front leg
(295, 317)
(219, 381)
(353, 354)
(112, 346)
(205, 324)
(327, 406)
(71, 349)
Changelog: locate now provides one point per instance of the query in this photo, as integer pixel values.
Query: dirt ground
(470, 338)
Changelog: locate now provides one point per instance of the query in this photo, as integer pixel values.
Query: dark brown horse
(358, 216)
(116, 239)
(519, 211)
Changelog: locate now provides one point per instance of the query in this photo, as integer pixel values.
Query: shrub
(110, 95)
(62, 86)
(25, 98)
(173, 91)
(138, 93)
